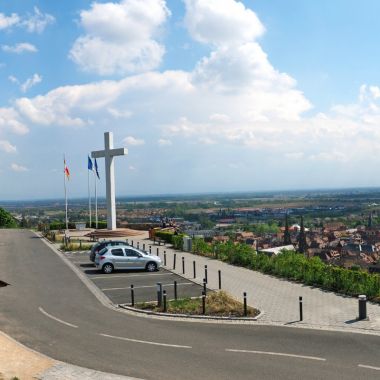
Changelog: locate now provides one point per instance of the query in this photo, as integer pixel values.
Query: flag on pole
(66, 169)
(96, 169)
(89, 164)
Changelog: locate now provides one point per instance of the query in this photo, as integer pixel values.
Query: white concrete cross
(109, 153)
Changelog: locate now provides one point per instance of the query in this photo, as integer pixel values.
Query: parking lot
(117, 285)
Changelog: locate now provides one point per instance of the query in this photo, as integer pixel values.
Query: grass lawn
(217, 304)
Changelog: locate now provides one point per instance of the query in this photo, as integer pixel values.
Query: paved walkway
(277, 298)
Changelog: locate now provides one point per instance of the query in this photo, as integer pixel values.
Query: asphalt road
(49, 309)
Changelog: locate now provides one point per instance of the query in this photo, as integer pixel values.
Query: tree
(7, 220)
(287, 239)
(302, 245)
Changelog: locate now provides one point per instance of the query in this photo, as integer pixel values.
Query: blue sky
(207, 95)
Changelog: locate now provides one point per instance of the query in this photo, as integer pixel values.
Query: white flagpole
(64, 184)
(89, 194)
(96, 201)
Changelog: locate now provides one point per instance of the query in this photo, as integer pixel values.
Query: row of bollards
(362, 298)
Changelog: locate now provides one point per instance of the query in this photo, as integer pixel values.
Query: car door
(134, 260)
(118, 258)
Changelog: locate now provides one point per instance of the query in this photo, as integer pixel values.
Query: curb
(188, 316)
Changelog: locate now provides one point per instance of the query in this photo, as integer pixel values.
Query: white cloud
(132, 168)
(294, 155)
(18, 168)
(222, 118)
(7, 147)
(13, 79)
(164, 142)
(10, 121)
(33, 23)
(124, 33)
(19, 48)
(130, 140)
(30, 82)
(118, 114)
(37, 22)
(8, 21)
(221, 22)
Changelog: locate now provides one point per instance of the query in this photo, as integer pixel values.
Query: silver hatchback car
(125, 257)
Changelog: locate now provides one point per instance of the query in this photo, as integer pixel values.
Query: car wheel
(107, 268)
(151, 267)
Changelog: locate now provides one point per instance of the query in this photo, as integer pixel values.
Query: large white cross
(109, 153)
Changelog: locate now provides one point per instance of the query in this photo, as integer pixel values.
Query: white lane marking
(147, 286)
(55, 318)
(277, 354)
(144, 341)
(369, 367)
(132, 275)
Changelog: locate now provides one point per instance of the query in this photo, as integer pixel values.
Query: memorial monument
(109, 153)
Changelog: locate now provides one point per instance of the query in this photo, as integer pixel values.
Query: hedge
(294, 266)
(164, 235)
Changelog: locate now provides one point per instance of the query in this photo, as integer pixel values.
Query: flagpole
(89, 195)
(64, 184)
(96, 203)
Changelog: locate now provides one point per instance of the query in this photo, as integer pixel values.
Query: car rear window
(103, 251)
(117, 252)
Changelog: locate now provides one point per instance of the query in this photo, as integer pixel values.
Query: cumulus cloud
(130, 140)
(18, 168)
(7, 147)
(221, 22)
(8, 21)
(124, 32)
(10, 121)
(30, 82)
(19, 48)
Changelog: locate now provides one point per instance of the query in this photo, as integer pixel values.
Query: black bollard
(204, 286)
(159, 294)
(174, 260)
(206, 274)
(245, 304)
(362, 307)
(194, 270)
(220, 279)
(203, 303)
(138, 245)
(183, 265)
(158, 252)
(132, 296)
(301, 309)
(132, 243)
(150, 249)
(165, 307)
(143, 246)
(175, 290)
(164, 258)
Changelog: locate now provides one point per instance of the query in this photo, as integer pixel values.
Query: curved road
(47, 308)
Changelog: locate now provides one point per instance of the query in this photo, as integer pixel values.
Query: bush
(177, 241)
(166, 236)
(294, 266)
(7, 220)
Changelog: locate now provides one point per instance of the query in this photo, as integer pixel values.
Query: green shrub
(177, 241)
(294, 266)
(166, 236)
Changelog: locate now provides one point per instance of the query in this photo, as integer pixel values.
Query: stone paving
(277, 298)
